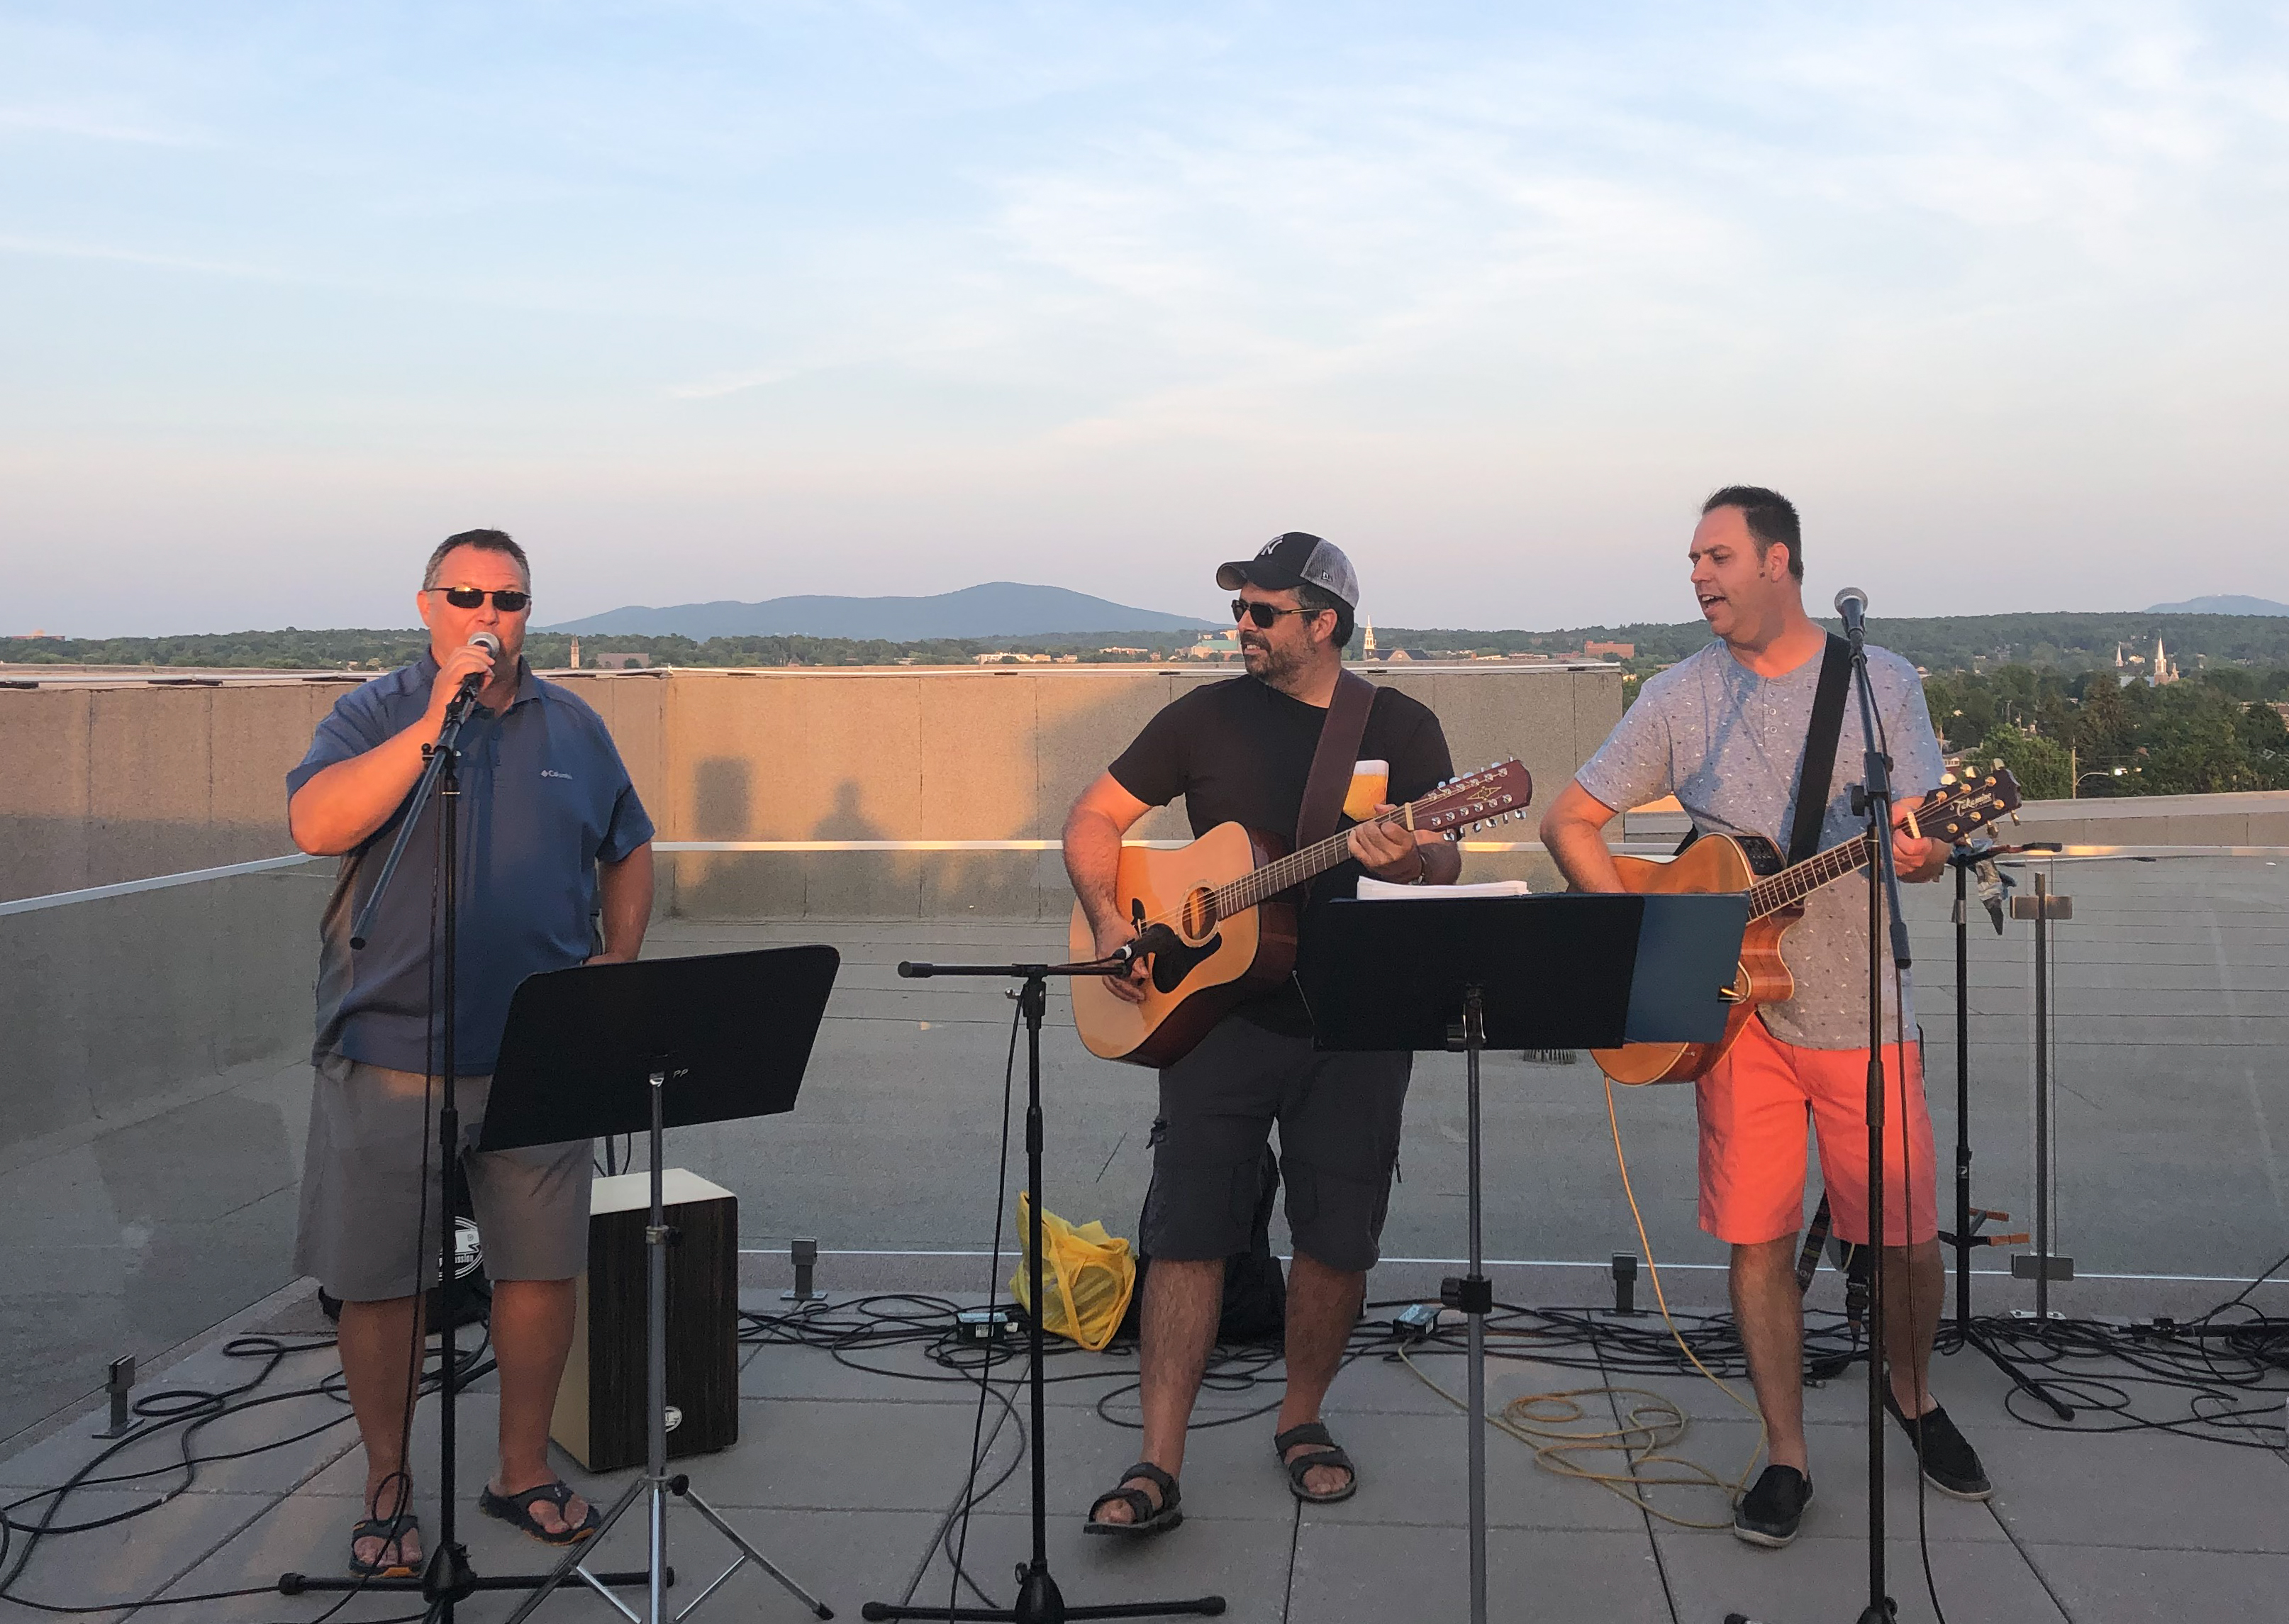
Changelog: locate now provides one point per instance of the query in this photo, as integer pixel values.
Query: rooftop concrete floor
(845, 1478)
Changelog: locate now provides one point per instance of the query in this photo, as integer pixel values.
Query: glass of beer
(1370, 788)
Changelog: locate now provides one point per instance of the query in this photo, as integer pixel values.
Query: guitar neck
(1286, 873)
(1794, 884)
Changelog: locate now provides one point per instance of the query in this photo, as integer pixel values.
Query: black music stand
(606, 1049)
(1560, 971)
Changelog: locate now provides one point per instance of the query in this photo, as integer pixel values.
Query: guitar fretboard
(1281, 874)
(1793, 884)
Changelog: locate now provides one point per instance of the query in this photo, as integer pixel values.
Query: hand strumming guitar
(1111, 938)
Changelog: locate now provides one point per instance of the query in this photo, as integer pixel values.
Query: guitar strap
(1340, 734)
(1813, 780)
(1817, 772)
(1819, 769)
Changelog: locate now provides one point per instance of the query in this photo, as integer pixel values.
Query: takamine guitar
(1776, 892)
(1218, 918)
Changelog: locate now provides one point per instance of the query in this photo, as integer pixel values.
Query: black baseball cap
(1293, 559)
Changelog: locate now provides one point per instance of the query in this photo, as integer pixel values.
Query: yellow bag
(1089, 1276)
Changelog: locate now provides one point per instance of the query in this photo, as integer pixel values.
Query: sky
(731, 300)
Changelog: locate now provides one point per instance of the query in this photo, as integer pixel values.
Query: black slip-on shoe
(1950, 1465)
(1768, 1514)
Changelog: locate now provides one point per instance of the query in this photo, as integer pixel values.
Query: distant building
(632, 660)
(1223, 645)
(1366, 643)
(1619, 651)
(2166, 670)
(575, 662)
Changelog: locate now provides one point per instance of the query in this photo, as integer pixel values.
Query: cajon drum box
(600, 1407)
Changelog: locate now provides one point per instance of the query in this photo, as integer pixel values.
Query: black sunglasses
(508, 600)
(1264, 614)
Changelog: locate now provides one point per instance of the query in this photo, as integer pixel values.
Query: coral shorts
(1753, 1107)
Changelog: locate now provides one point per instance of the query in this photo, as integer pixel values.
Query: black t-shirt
(1240, 752)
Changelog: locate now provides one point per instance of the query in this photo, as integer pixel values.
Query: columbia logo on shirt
(553, 772)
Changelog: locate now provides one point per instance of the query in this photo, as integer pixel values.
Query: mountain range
(2227, 602)
(996, 609)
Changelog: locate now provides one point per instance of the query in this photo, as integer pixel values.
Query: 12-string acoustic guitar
(1218, 917)
(1776, 892)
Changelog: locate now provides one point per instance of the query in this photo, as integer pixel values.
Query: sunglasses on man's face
(508, 600)
(1265, 615)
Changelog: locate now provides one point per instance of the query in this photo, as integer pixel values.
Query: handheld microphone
(491, 644)
(1852, 607)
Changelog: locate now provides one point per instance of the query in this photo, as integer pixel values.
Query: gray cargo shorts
(362, 1197)
(1339, 1120)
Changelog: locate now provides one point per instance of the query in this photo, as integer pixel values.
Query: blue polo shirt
(544, 799)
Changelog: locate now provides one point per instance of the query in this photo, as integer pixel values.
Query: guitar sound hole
(1199, 914)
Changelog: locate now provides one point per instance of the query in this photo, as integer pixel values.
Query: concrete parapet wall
(994, 755)
(2258, 819)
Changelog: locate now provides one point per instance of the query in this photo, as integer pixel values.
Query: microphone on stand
(1152, 938)
(1852, 607)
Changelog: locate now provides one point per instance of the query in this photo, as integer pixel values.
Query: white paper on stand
(1372, 889)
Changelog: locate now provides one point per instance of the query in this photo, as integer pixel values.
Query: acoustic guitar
(1776, 892)
(1216, 919)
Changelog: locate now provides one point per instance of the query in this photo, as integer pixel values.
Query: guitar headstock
(1967, 801)
(1492, 794)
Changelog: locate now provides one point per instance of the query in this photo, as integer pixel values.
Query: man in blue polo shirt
(551, 833)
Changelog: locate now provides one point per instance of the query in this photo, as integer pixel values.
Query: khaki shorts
(369, 1230)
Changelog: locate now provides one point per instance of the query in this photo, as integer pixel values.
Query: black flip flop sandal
(1145, 1518)
(516, 1511)
(1314, 1432)
(389, 1531)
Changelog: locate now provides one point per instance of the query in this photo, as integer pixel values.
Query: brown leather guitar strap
(1340, 734)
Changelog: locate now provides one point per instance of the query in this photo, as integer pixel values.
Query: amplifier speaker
(600, 1407)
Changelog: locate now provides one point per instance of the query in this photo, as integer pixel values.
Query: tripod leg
(747, 1553)
(576, 1554)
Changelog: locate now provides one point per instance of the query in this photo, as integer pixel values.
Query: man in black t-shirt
(1240, 751)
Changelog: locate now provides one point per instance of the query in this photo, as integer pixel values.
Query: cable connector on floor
(992, 1327)
(1415, 1322)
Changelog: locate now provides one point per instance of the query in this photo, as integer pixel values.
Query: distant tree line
(295, 650)
(2092, 735)
(2069, 643)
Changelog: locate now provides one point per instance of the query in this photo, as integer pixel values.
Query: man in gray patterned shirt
(1725, 732)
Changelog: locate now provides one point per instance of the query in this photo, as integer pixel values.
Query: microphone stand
(447, 1578)
(1872, 798)
(1039, 1599)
